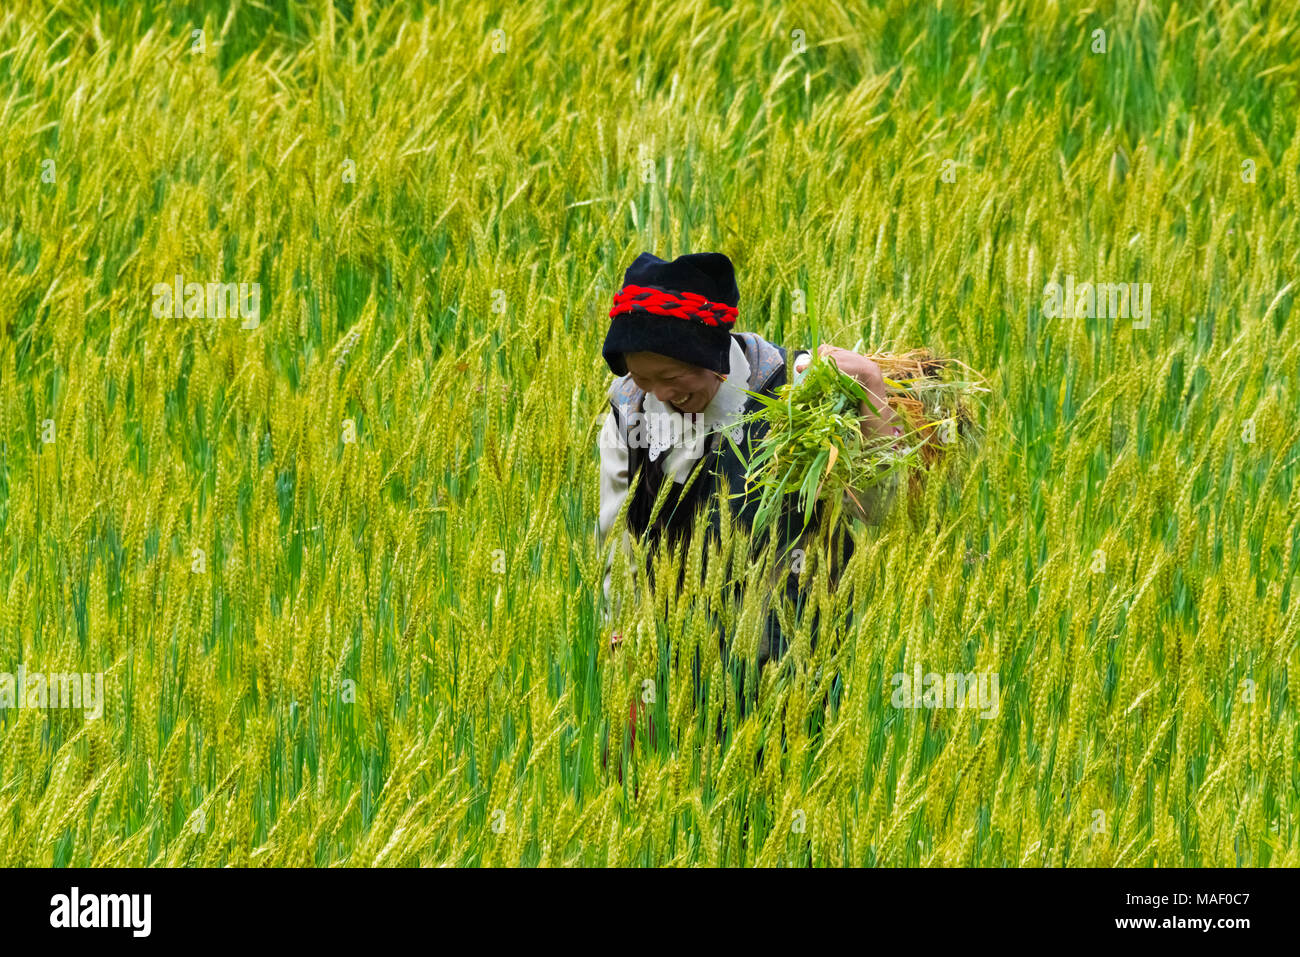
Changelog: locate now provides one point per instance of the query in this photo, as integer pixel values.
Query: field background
(391, 651)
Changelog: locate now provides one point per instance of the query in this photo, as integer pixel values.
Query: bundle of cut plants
(814, 447)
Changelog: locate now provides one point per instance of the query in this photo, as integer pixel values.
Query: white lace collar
(723, 410)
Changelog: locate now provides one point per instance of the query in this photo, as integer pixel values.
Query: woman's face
(685, 387)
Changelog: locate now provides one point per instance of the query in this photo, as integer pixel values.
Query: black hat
(684, 309)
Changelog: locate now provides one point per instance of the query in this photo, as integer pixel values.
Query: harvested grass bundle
(814, 446)
(937, 404)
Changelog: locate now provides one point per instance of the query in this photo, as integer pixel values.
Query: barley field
(332, 547)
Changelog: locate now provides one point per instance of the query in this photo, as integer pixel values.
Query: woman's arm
(867, 505)
(613, 475)
(614, 486)
(882, 420)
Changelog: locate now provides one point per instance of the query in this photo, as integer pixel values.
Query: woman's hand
(873, 380)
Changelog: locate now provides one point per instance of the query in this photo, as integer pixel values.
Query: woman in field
(681, 371)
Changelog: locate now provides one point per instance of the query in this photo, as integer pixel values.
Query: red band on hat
(686, 305)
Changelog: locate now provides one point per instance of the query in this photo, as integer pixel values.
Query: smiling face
(682, 386)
